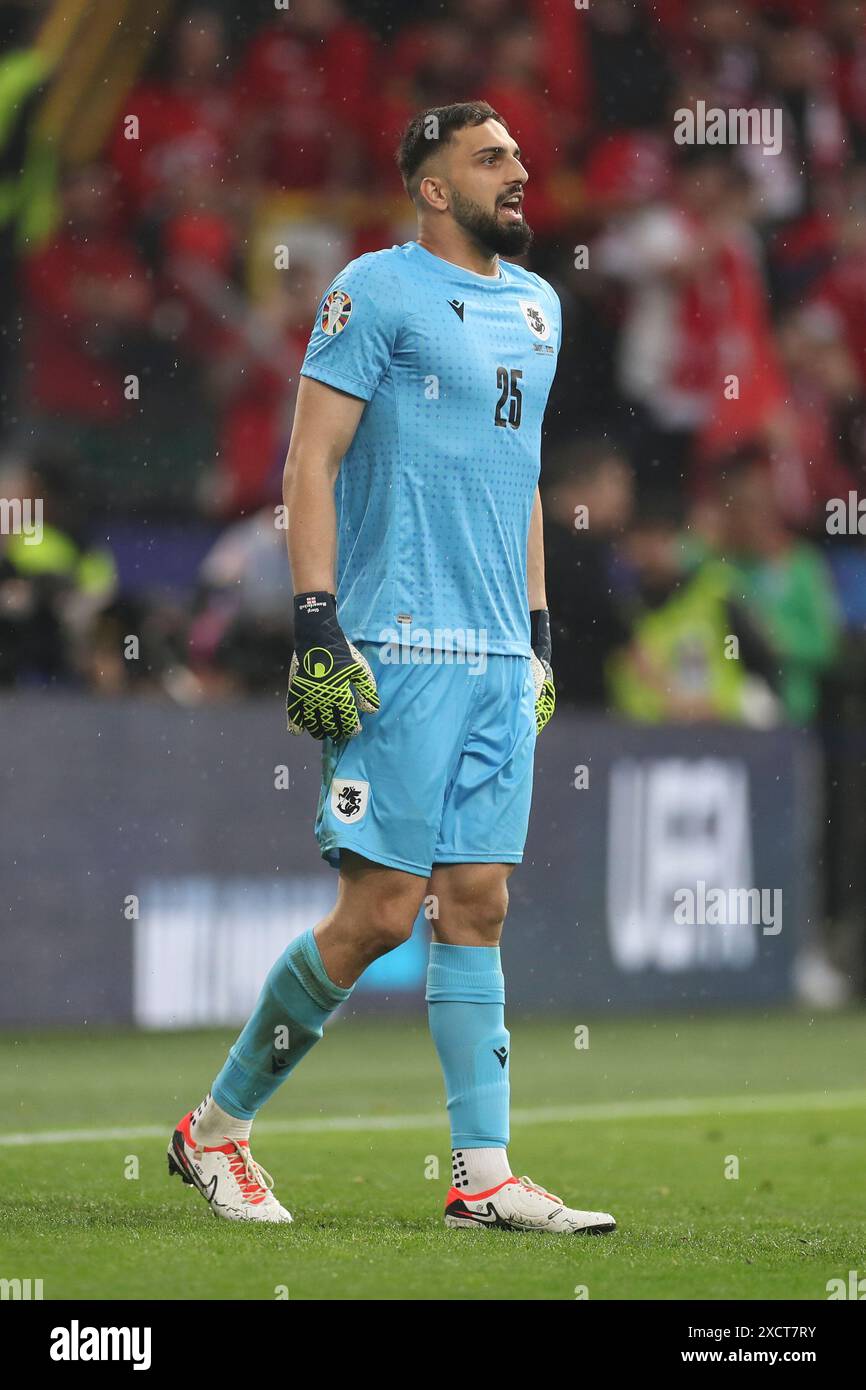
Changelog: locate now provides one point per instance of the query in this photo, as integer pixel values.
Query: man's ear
(433, 193)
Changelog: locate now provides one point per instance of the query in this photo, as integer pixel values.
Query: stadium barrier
(156, 860)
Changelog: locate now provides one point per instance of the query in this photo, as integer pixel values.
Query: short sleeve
(557, 309)
(356, 327)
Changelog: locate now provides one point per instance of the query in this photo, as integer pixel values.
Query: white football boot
(227, 1176)
(519, 1205)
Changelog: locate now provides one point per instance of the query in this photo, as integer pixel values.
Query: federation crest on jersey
(336, 312)
(535, 318)
(349, 797)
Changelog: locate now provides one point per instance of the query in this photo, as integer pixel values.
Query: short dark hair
(434, 128)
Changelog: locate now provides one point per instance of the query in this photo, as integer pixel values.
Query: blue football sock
(466, 1007)
(295, 1001)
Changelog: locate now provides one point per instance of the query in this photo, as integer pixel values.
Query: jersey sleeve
(556, 306)
(356, 327)
(553, 307)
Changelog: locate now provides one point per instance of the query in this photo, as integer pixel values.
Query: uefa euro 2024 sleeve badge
(336, 312)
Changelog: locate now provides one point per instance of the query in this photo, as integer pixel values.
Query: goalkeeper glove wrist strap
(311, 612)
(539, 634)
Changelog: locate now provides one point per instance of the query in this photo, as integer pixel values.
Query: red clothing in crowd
(182, 134)
(727, 334)
(254, 432)
(71, 346)
(310, 92)
(534, 127)
(850, 83)
(567, 78)
(843, 289)
(805, 464)
(431, 63)
(696, 346)
(626, 168)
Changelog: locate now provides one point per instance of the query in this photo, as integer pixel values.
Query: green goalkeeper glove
(324, 669)
(545, 695)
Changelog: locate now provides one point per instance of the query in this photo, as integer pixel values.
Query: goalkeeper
(422, 656)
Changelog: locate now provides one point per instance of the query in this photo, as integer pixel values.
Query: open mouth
(512, 207)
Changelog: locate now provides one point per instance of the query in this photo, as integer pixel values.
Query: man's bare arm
(325, 425)
(539, 619)
(536, 591)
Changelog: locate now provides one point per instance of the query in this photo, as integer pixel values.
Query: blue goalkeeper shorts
(442, 773)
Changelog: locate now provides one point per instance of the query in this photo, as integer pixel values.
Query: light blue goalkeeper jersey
(435, 495)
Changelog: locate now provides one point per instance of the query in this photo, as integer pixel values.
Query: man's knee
(472, 904)
(392, 918)
(489, 908)
(381, 903)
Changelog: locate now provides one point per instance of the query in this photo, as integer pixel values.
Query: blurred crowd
(711, 394)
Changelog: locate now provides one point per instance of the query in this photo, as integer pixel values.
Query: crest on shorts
(349, 797)
(535, 319)
(336, 312)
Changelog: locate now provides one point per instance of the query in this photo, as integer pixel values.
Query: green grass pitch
(643, 1123)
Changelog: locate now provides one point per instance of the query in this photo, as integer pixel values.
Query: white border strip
(542, 1115)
